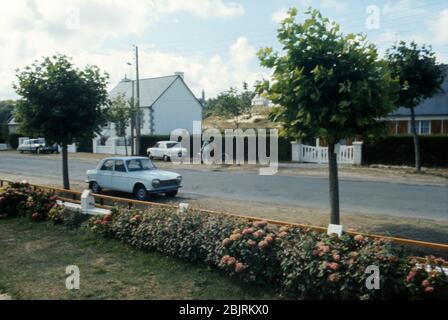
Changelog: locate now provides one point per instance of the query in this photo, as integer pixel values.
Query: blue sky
(213, 41)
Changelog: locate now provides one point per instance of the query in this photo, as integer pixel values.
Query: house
(431, 115)
(167, 103)
(12, 126)
(259, 101)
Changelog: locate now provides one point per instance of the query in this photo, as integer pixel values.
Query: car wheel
(150, 156)
(21, 151)
(171, 194)
(95, 187)
(140, 192)
(166, 158)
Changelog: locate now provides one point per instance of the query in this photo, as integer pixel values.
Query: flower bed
(298, 263)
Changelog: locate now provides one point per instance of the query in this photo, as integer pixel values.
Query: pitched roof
(150, 89)
(437, 105)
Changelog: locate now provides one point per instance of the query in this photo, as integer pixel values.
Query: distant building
(167, 103)
(259, 101)
(12, 126)
(431, 115)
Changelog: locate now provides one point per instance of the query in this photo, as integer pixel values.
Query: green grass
(33, 258)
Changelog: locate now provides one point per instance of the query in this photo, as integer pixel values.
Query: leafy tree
(328, 85)
(61, 102)
(420, 78)
(230, 103)
(121, 112)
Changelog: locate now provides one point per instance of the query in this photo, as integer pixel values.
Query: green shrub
(20, 199)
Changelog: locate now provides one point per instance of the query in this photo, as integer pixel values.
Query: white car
(31, 145)
(167, 150)
(135, 175)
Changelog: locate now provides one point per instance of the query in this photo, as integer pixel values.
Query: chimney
(180, 74)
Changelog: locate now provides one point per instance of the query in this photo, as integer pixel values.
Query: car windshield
(139, 165)
(172, 145)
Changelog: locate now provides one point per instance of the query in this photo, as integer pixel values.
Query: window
(172, 145)
(108, 166)
(422, 126)
(139, 165)
(119, 166)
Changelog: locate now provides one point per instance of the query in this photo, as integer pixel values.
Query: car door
(105, 174)
(120, 179)
(157, 152)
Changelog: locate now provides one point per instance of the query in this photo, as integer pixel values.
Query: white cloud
(202, 8)
(31, 29)
(439, 27)
(407, 7)
(279, 15)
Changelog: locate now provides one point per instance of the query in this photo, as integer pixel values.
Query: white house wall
(176, 109)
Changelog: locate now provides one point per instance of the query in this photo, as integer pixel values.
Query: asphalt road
(418, 201)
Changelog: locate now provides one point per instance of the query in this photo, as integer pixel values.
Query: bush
(399, 150)
(20, 199)
(13, 140)
(299, 263)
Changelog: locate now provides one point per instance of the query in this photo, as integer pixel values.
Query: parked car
(135, 175)
(37, 146)
(167, 150)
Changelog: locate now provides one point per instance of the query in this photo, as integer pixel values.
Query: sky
(214, 42)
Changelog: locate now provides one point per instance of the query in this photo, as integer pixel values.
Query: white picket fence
(310, 154)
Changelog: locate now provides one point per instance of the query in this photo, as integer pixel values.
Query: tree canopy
(59, 101)
(230, 103)
(327, 84)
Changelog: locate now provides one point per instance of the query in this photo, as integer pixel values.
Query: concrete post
(357, 152)
(296, 151)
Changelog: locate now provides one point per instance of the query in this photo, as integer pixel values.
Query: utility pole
(133, 118)
(138, 124)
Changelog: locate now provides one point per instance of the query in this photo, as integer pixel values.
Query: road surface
(418, 201)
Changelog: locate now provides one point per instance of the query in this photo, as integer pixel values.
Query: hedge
(284, 146)
(295, 262)
(399, 150)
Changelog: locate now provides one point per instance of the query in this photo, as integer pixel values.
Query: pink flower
(260, 224)
(258, 234)
(227, 242)
(282, 234)
(251, 243)
(333, 266)
(410, 276)
(231, 261)
(239, 267)
(236, 237)
(248, 231)
(425, 283)
(359, 238)
(336, 257)
(263, 244)
(334, 277)
(429, 289)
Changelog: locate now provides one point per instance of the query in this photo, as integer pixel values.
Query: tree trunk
(334, 184)
(65, 167)
(416, 141)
